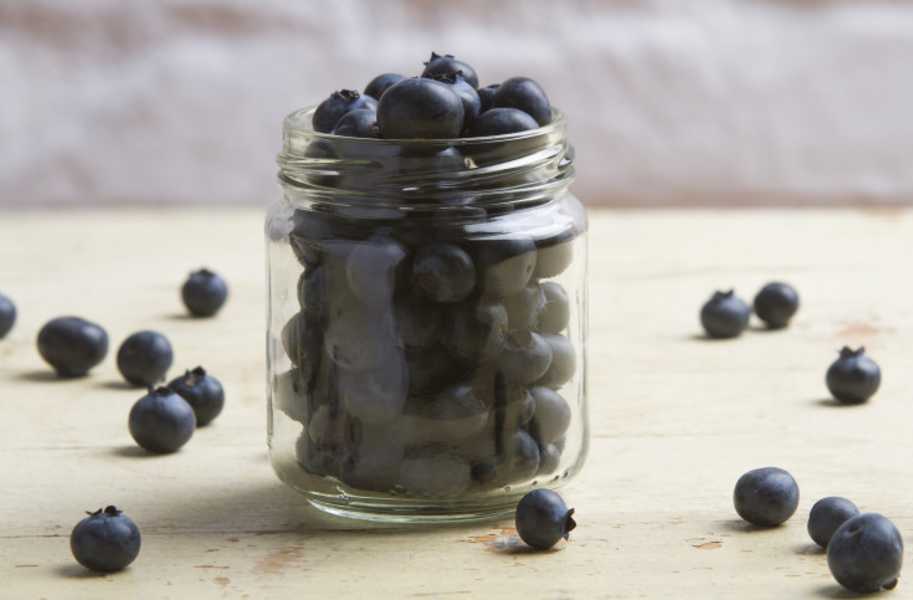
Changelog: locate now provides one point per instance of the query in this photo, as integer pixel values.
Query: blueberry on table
(360, 123)
(552, 415)
(525, 358)
(525, 94)
(204, 293)
(487, 96)
(7, 315)
(827, 515)
(72, 346)
(866, 554)
(501, 121)
(162, 421)
(854, 377)
(543, 519)
(203, 393)
(725, 315)
(443, 272)
(505, 265)
(377, 86)
(339, 103)
(446, 64)
(472, 105)
(556, 310)
(766, 497)
(106, 541)
(418, 108)
(564, 362)
(776, 304)
(144, 358)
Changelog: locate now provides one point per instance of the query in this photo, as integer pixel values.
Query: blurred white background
(110, 102)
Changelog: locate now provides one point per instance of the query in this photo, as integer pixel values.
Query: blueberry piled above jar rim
(444, 102)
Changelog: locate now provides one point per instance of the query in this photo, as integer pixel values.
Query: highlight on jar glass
(427, 321)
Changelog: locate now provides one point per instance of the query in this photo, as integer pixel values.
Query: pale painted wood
(675, 419)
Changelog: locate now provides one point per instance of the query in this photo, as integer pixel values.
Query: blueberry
(312, 289)
(290, 395)
(854, 377)
(443, 272)
(418, 321)
(203, 393)
(554, 257)
(7, 315)
(564, 362)
(556, 311)
(543, 519)
(339, 103)
(434, 471)
(725, 315)
(827, 515)
(506, 265)
(204, 293)
(550, 457)
(310, 231)
(105, 541)
(478, 331)
(520, 460)
(472, 105)
(72, 346)
(161, 421)
(420, 108)
(446, 64)
(455, 413)
(525, 308)
(525, 94)
(302, 341)
(766, 497)
(487, 96)
(371, 269)
(866, 554)
(360, 123)
(525, 358)
(515, 409)
(359, 340)
(144, 358)
(776, 304)
(379, 84)
(376, 395)
(552, 415)
(501, 121)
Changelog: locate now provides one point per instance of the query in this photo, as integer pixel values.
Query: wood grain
(676, 419)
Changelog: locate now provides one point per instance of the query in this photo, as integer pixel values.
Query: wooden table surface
(675, 419)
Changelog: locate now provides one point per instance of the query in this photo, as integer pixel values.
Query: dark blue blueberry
(525, 358)
(776, 304)
(204, 293)
(725, 315)
(203, 393)
(524, 308)
(564, 362)
(446, 64)
(472, 105)
(525, 94)
(379, 84)
(501, 121)
(543, 519)
(443, 272)
(419, 108)
(434, 471)
(371, 269)
(339, 103)
(866, 554)
(418, 320)
(556, 311)
(827, 515)
(7, 315)
(551, 416)
(505, 265)
(358, 123)
(72, 346)
(105, 541)
(144, 358)
(854, 377)
(487, 96)
(161, 421)
(766, 497)
(478, 331)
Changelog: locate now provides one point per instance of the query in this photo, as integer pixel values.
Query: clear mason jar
(427, 322)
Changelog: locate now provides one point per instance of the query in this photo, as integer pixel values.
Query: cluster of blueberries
(852, 379)
(160, 422)
(445, 102)
(864, 550)
(427, 363)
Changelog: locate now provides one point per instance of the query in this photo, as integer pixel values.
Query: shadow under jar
(427, 322)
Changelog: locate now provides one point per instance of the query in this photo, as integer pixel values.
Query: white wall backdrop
(677, 102)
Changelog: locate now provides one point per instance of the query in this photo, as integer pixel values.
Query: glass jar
(427, 322)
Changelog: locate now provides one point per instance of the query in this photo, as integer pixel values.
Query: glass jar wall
(427, 322)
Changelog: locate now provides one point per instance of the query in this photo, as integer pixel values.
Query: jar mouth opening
(300, 122)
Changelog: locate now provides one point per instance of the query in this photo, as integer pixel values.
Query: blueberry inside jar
(427, 315)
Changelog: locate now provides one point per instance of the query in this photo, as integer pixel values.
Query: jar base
(412, 513)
